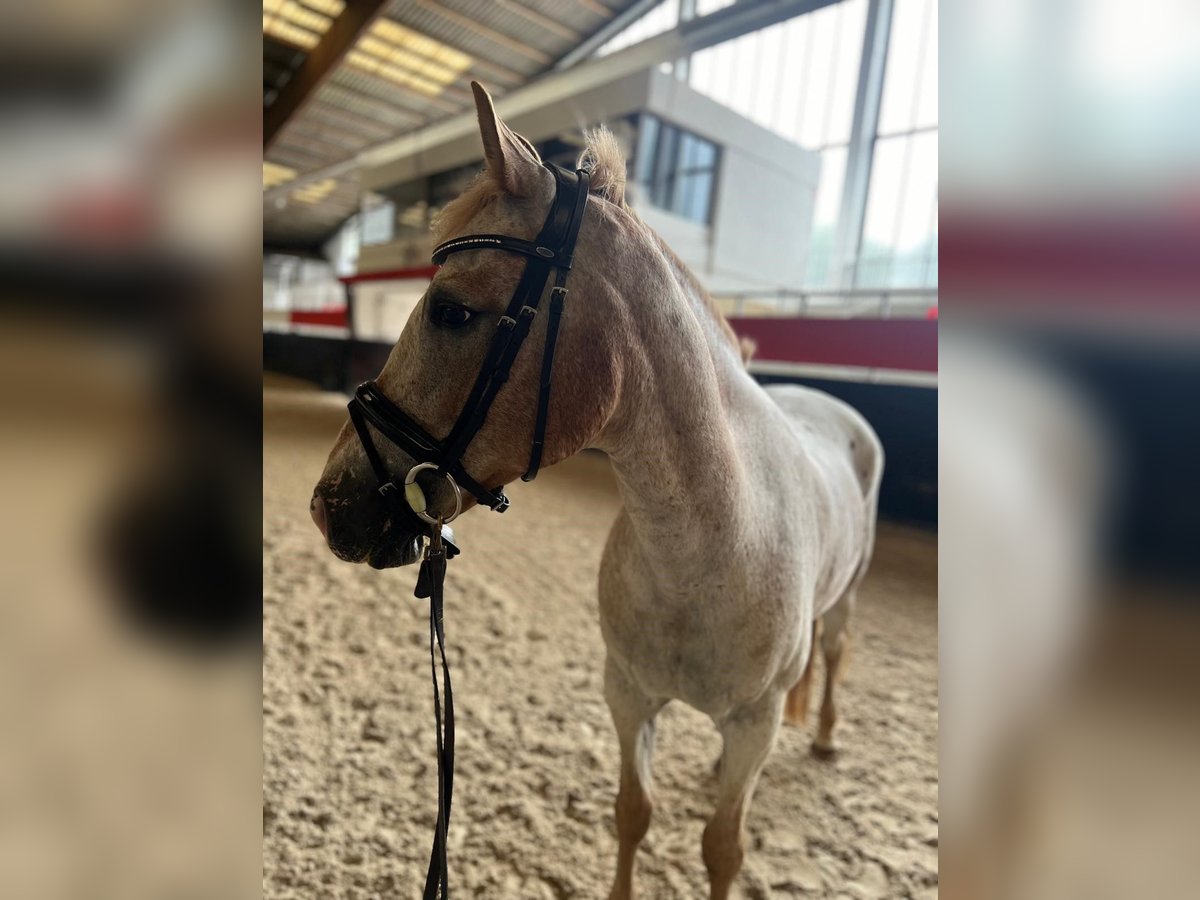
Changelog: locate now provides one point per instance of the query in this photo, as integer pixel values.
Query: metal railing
(892, 303)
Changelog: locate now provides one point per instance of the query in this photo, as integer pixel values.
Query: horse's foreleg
(835, 641)
(748, 736)
(633, 715)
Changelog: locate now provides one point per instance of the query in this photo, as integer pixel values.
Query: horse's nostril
(317, 508)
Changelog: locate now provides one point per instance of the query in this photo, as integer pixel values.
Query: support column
(848, 239)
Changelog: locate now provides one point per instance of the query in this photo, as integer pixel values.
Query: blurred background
(1068, 497)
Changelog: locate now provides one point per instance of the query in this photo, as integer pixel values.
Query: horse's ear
(511, 160)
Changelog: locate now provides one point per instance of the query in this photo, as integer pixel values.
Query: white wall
(381, 308)
(766, 187)
(761, 226)
(690, 240)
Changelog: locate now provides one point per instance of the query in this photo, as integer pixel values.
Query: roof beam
(324, 58)
(614, 26)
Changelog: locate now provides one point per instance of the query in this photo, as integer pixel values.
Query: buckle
(385, 489)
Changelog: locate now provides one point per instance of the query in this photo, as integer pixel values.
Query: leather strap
(369, 403)
(497, 242)
(558, 295)
(430, 583)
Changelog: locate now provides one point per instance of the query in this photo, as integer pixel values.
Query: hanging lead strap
(430, 581)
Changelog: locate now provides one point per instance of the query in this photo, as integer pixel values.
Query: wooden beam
(343, 33)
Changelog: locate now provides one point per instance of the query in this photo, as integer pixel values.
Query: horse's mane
(603, 158)
(605, 162)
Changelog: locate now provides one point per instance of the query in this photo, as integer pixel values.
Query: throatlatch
(553, 248)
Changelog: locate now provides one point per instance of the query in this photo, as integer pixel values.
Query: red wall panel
(909, 344)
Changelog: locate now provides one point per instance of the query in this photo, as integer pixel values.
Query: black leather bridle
(551, 250)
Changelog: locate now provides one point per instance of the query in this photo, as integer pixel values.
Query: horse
(748, 514)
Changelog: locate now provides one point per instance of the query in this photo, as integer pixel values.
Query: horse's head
(433, 365)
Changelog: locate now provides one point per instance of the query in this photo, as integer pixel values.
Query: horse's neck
(673, 441)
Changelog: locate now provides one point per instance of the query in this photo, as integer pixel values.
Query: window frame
(667, 174)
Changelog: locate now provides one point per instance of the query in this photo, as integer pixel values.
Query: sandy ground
(348, 732)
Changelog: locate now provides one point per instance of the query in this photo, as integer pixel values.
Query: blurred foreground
(1069, 494)
(129, 454)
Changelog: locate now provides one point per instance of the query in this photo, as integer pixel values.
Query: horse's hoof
(824, 752)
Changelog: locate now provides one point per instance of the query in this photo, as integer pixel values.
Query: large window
(797, 78)
(900, 227)
(675, 170)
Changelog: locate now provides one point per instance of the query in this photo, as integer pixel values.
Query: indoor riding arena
(742, 213)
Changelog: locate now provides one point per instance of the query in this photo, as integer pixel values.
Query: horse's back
(833, 430)
(848, 456)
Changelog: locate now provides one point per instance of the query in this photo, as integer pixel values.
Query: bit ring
(411, 478)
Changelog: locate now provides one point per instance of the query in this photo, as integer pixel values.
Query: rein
(552, 249)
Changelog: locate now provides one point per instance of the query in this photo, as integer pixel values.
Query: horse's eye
(451, 315)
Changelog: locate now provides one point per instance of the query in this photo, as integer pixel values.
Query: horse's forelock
(458, 213)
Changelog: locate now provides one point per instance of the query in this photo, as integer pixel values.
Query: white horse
(748, 514)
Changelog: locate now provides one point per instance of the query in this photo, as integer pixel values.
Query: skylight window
(300, 24)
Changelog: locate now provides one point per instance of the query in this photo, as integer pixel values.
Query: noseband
(552, 249)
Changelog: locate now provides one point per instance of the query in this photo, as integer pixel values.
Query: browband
(498, 242)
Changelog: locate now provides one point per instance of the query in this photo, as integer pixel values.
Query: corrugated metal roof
(508, 42)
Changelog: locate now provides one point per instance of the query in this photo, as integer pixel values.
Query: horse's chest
(708, 644)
